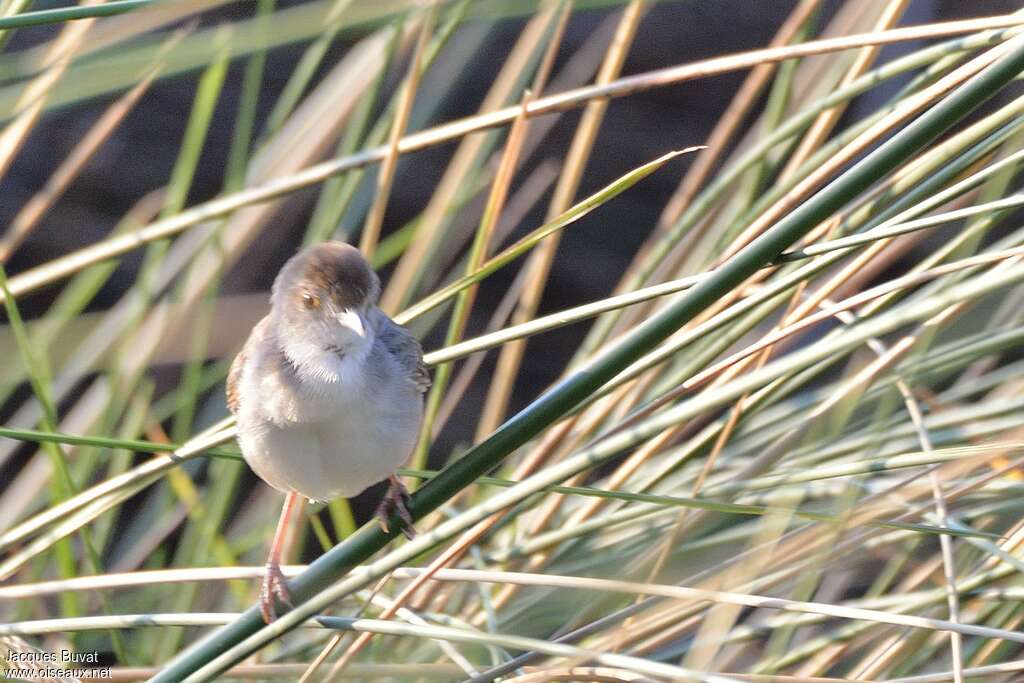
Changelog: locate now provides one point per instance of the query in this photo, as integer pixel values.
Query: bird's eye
(311, 301)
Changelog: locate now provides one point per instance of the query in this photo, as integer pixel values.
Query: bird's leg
(274, 585)
(396, 501)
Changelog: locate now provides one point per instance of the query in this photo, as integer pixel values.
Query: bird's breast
(332, 434)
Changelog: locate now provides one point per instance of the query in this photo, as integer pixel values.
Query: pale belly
(334, 458)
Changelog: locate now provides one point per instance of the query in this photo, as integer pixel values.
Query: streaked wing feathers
(406, 349)
(238, 365)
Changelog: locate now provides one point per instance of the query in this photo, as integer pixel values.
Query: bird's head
(323, 296)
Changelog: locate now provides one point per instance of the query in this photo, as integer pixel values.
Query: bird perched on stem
(327, 392)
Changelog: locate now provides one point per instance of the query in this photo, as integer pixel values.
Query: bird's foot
(396, 500)
(273, 586)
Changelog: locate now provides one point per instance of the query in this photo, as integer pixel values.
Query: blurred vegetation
(786, 447)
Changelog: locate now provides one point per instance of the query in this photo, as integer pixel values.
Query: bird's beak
(351, 319)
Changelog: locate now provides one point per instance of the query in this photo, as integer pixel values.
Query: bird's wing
(406, 350)
(238, 365)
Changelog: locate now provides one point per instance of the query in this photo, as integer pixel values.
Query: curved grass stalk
(455, 635)
(215, 435)
(298, 23)
(915, 209)
(575, 582)
(535, 237)
(704, 202)
(529, 55)
(61, 268)
(538, 267)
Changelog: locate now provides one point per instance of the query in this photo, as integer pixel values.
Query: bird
(327, 394)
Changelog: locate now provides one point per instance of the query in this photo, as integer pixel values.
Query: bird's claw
(396, 500)
(273, 586)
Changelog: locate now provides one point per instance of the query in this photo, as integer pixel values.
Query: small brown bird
(327, 392)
